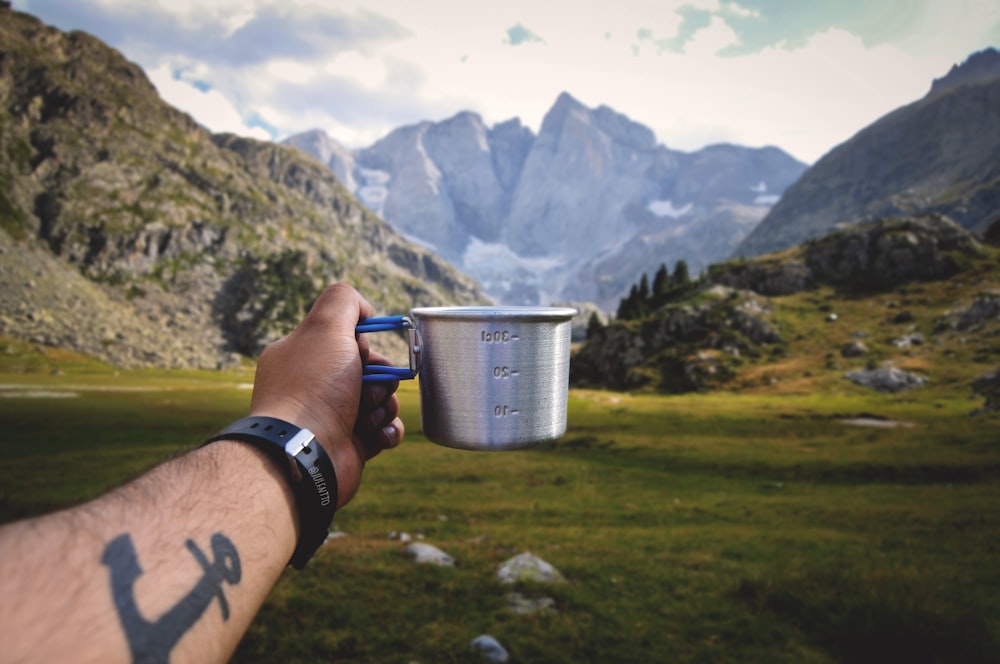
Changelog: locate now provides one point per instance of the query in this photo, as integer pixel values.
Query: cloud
(518, 34)
(210, 107)
(800, 75)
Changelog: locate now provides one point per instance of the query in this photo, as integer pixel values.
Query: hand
(312, 378)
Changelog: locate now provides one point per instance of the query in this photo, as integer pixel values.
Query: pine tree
(644, 288)
(681, 275)
(661, 283)
(628, 308)
(594, 326)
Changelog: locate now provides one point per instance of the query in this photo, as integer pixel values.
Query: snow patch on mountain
(667, 209)
(763, 198)
(373, 190)
(489, 256)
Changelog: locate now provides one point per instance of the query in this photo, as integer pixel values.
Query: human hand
(312, 379)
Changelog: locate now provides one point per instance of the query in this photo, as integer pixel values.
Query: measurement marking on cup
(498, 337)
(502, 373)
(505, 411)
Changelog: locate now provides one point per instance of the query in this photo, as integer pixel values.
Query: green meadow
(722, 527)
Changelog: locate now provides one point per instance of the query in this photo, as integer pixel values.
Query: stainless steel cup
(493, 378)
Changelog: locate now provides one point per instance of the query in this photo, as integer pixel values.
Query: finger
(392, 433)
(331, 304)
(374, 395)
(372, 420)
(386, 437)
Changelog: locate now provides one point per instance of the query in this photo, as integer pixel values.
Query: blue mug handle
(377, 373)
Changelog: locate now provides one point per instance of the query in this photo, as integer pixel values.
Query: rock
(669, 344)
(915, 339)
(886, 379)
(428, 553)
(489, 648)
(522, 605)
(769, 278)
(528, 567)
(988, 386)
(905, 316)
(986, 307)
(889, 252)
(854, 349)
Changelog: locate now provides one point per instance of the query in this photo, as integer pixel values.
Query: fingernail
(391, 434)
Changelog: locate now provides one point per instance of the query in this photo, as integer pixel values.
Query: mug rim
(499, 312)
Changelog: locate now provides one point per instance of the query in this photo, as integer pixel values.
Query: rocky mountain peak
(331, 152)
(978, 68)
(573, 213)
(565, 106)
(622, 130)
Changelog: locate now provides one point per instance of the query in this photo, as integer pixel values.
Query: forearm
(171, 566)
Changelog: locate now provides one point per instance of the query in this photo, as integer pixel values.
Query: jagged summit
(978, 68)
(573, 213)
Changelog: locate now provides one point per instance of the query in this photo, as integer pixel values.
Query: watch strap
(309, 471)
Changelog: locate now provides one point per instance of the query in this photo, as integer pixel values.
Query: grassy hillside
(201, 248)
(749, 526)
(913, 314)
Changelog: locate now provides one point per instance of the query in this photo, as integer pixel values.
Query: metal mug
(491, 378)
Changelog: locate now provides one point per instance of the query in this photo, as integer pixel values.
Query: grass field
(724, 527)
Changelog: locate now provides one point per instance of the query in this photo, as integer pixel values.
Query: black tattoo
(152, 641)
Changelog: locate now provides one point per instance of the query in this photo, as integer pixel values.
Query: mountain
(936, 155)
(130, 233)
(573, 213)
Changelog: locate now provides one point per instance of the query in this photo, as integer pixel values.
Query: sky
(802, 75)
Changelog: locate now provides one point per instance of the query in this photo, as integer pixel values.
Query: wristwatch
(308, 469)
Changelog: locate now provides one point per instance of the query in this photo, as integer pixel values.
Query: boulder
(854, 349)
(986, 307)
(988, 386)
(490, 649)
(907, 340)
(767, 278)
(886, 379)
(522, 605)
(427, 553)
(528, 567)
(889, 252)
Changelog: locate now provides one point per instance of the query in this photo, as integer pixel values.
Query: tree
(682, 277)
(661, 283)
(594, 326)
(644, 288)
(628, 307)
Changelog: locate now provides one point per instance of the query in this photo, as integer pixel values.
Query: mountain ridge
(935, 155)
(570, 214)
(183, 248)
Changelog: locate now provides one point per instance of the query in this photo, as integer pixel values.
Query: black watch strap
(308, 468)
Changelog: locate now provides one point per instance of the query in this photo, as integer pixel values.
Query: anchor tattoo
(152, 641)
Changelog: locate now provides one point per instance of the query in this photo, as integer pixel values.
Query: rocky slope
(130, 233)
(570, 214)
(767, 316)
(936, 155)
